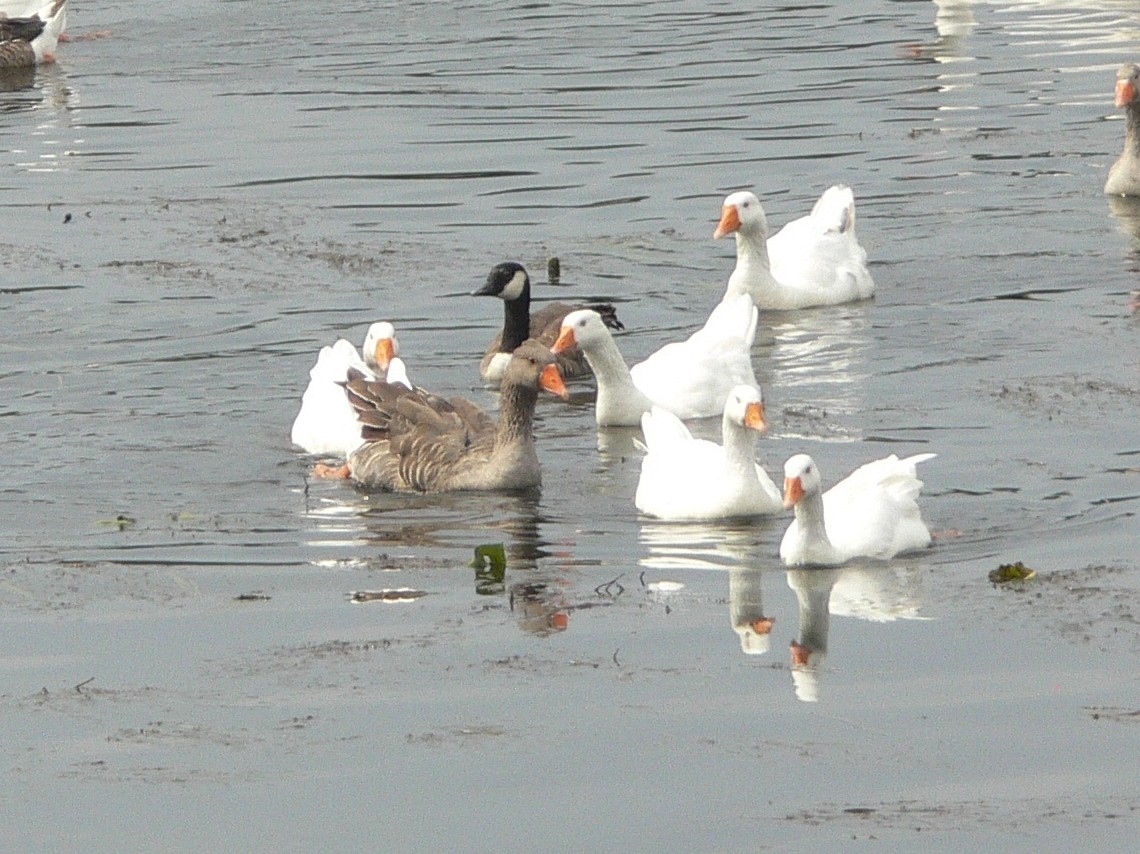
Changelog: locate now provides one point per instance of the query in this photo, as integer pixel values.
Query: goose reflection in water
(1126, 210)
(746, 610)
(877, 592)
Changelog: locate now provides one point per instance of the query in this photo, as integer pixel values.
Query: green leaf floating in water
(490, 565)
(1008, 573)
(122, 522)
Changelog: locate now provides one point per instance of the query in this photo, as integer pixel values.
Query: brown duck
(416, 441)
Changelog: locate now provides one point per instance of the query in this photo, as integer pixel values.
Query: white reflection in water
(746, 610)
(55, 138)
(673, 545)
(818, 364)
(874, 592)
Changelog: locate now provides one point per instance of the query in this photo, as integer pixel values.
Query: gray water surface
(200, 198)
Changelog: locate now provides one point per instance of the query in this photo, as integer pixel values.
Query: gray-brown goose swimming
(31, 39)
(418, 442)
(509, 282)
(1124, 176)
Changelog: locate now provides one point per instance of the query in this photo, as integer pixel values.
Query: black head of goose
(1124, 176)
(509, 282)
(416, 441)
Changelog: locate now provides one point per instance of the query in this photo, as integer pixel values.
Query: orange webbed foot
(328, 472)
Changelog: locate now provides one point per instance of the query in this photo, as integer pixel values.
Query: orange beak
(801, 655)
(793, 492)
(385, 352)
(729, 222)
(565, 341)
(763, 626)
(551, 380)
(1125, 92)
(754, 417)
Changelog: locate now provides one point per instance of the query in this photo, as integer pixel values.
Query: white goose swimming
(683, 478)
(326, 422)
(690, 378)
(872, 513)
(814, 260)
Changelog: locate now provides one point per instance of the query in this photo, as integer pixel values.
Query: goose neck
(1132, 130)
(738, 444)
(516, 414)
(516, 322)
(813, 529)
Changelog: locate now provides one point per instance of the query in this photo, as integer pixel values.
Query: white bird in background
(814, 260)
(327, 423)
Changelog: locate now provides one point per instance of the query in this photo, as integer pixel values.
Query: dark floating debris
(398, 594)
(553, 270)
(122, 522)
(1011, 573)
(252, 597)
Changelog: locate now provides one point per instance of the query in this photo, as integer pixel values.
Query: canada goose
(872, 513)
(509, 282)
(690, 378)
(814, 260)
(415, 441)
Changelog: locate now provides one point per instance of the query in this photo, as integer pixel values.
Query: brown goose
(1124, 176)
(32, 39)
(418, 442)
(510, 283)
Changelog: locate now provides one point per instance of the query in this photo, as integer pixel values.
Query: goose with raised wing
(326, 422)
(418, 442)
(510, 282)
(872, 513)
(690, 378)
(812, 261)
(688, 479)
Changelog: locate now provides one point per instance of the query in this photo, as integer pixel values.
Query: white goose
(814, 260)
(689, 479)
(690, 378)
(327, 423)
(872, 513)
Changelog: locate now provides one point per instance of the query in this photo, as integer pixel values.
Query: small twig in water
(604, 589)
(80, 686)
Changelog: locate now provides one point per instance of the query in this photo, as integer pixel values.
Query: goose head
(380, 345)
(801, 478)
(1127, 85)
(581, 328)
(742, 214)
(508, 281)
(533, 366)
(745, 406)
